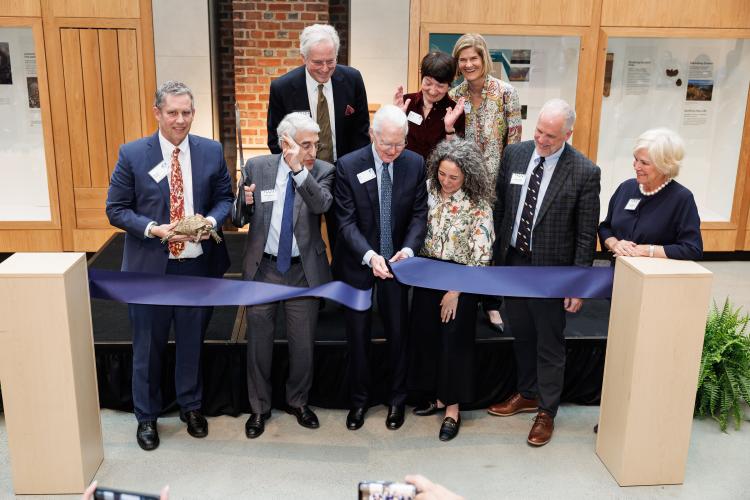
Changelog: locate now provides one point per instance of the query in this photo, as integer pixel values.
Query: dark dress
(423, 138)
(668, 218)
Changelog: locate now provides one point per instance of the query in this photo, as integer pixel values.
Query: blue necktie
(284, 256)
(386, 236)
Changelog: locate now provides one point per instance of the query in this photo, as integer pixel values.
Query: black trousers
(538, 327)
(393, 307)
(442, 354)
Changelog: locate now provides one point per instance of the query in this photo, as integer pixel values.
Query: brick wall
(338, 15)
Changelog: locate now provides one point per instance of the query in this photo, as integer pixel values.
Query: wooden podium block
(654, 344)
(48, 373)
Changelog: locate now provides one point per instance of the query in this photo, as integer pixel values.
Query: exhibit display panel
(697, 87)
(24, 193)
(539, 68)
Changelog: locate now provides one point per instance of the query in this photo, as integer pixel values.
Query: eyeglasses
(397, 146)
(319, 64)
(309, 146)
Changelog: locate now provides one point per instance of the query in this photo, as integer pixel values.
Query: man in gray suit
(546, 214)
(290, 191)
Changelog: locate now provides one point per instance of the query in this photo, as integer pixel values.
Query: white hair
(390, 114)
(560, 108)
(665, 148)
(315, 34)
(296, 122)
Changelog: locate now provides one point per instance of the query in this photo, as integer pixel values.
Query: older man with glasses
(380, 201)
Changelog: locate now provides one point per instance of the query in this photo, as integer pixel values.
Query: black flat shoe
(498, 327)
(596, 429)
(449, 429)
(356, 418)
(426, 410)
(197, 425)
(147, 435)
(395, 418)
(305, 416)
(256, 424)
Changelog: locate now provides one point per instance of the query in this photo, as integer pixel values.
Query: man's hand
(448, 306)
(400, 255)
(249, 196)
(292, 153)
(427, 490)
(572, 305)
(379, 267)
(398, 99)
(161, 231)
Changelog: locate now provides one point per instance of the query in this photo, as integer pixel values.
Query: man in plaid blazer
(546, 214)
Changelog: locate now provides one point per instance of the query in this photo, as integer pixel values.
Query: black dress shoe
(449, 429)
(256, 424)
(596, 429)
(395, 418)
(147, 435)
(356, 418)
(197, 425)
(305, 416)
(426, 410)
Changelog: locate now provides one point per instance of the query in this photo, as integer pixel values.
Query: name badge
(517, 179)
(268, 195)
(467, 107)
(367, 175)
(159, 172)
(632, 203)
(414, 118)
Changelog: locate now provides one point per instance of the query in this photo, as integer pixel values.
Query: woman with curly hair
(443, 324)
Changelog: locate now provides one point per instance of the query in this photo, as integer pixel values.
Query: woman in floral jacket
(459, 230)
(493, 119)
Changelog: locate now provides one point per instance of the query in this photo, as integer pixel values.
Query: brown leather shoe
(541, 431)
(514, 404)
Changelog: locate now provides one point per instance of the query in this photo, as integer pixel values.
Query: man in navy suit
(158, 180)
(332, 94)
(381, 207)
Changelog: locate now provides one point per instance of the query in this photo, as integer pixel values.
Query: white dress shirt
(277, 213)
(312, 96)
(550, 162)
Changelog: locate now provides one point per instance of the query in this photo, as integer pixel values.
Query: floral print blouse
(495, 123)
(458, 229)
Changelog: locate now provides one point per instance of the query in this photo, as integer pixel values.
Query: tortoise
(194, 225)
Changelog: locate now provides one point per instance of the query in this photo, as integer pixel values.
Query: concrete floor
(488, 460)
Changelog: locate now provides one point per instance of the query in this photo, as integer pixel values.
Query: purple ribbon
(165, 289)
(512, 281)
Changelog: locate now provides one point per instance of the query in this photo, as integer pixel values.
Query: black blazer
(565, 230)
(357, 208)
(289, 93)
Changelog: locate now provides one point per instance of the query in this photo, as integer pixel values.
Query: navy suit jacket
(357, 208)
(289, 94)
(134, 200)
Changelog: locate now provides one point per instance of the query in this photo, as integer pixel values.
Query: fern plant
(724, 381)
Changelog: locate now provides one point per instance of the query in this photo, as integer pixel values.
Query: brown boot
(541, 431)
(514, 404)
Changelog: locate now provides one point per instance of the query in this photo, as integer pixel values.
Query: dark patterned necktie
(523, 238)
(286, 234)
(325, 147)
(386, 236)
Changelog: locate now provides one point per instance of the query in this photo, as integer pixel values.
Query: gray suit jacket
(311, 200)
(564, 233)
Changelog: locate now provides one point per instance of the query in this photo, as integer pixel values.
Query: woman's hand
(398, 99)
(452, 114)
(448, 306)
(623, 248)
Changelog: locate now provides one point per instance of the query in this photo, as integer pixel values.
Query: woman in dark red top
(432, 115)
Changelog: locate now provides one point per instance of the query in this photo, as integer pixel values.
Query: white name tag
(159, 171)
(414, 118)
(268, 195)
(632, 203)
(467, 107)
(367, 175)
(517, 179)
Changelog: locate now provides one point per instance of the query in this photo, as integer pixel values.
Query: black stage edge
(224, 360)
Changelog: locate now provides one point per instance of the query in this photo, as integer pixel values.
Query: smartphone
(386, 490)
(105, 493)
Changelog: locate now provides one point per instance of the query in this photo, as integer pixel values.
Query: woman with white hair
(653, 215)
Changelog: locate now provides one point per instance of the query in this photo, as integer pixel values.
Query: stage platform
(225, 386)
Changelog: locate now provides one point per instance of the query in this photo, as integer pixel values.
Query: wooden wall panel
(91, 197)
(112, 98)
(677, 13)
(129, 84)
(24, 8)
(94, 105)
(91, 240)
(79, 144)
(30, 240)
(91, 218)
(95, 8)
(515, 12)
